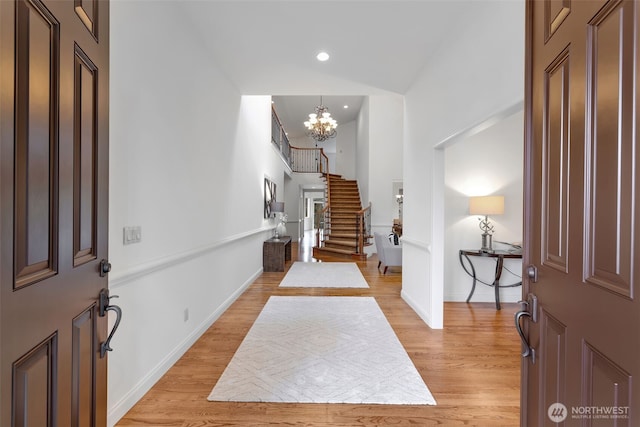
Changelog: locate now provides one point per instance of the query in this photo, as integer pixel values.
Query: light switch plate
(131, 235)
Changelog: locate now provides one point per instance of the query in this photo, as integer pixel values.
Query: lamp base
(486, 244)
(281, 229)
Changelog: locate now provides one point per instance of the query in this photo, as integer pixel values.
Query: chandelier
(321, 126)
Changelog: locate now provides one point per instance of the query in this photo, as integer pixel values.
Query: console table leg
(473, 289)
(496, 283)
(471, 273)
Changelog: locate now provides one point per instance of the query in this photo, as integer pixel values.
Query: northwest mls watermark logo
(557, 412)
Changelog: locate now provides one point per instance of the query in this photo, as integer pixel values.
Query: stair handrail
(324, 162)
(363, 228)
(302, 160)
(326, 211)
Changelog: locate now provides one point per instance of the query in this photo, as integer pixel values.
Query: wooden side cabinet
(275, 253)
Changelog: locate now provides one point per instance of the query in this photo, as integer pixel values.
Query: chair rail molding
(118, 279)
(416, 243)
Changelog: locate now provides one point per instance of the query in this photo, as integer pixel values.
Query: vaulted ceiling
(269, 47)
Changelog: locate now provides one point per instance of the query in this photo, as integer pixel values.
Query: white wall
(184, 147)
(385, 157)
(289, 194)
(379, 158)
(386, 114)
(346, 150)
(362, 151)
(478, 74)
(487, 163)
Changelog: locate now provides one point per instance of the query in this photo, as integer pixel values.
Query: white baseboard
(414, 306)
(120, 408)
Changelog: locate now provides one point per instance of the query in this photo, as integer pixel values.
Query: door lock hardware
(532, 273)
(105, 267)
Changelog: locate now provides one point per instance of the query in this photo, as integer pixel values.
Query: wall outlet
(186, 314)
(132, 235)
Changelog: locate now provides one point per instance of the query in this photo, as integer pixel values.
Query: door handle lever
(528, 350)
(104, 307)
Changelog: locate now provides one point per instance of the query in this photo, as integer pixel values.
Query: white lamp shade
(277, 207)
(486, 205)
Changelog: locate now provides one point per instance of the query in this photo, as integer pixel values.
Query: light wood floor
(472, 366)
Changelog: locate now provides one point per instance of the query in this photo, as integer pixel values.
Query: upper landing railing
(305, 160)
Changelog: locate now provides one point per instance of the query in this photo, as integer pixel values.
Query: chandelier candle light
(321, 126)
(485, 206)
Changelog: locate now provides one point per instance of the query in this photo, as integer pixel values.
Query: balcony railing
(279, 137)
(303, 160)
(309, 160)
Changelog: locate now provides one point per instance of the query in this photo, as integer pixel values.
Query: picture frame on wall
(269, 196)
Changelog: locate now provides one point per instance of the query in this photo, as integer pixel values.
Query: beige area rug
(324, 275)
(322, 350)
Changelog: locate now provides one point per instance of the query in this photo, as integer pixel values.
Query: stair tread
(340, 242)
(343, 196)
(340, 251)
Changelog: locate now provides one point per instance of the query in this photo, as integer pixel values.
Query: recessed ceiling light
(345, 107)
(322, 56)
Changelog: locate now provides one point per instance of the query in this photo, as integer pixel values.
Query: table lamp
(485, 206)
(278, 208)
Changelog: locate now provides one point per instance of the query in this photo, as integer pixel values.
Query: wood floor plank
(472, 366)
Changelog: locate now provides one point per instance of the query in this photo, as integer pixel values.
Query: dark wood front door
(582, 220)
(54, 205)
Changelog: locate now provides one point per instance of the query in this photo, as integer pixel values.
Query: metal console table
(500, 256)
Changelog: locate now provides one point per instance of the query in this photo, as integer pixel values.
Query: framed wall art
(269, 196)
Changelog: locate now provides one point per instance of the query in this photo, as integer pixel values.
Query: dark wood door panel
(34, 385)
(582, 185)
(611, 146)
(555, 163)
(54, 211)
(83, 367)
(555, 12)
(85, 157)
(605, 383)
(87, 11)
(553, 361)
(36, 143)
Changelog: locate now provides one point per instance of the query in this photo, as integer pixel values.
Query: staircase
(346, 224)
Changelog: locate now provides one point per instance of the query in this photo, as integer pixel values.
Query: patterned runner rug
(324, 275)
(322, 350)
